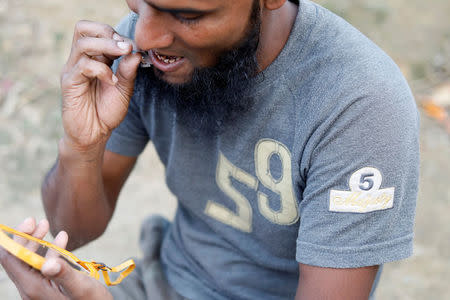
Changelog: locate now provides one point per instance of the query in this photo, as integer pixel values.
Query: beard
(217, 95)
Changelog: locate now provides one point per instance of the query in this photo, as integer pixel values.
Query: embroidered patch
(365, 194)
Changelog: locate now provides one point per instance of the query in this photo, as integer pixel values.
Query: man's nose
(153, 31)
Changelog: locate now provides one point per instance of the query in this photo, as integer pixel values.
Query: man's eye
(187, 19)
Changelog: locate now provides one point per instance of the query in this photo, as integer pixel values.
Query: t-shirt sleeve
(358, 202)
(131, 136)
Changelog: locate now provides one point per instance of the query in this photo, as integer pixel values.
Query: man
(289, 139)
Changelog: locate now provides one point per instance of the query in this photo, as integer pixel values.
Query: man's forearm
(317, 283)
(73, 195)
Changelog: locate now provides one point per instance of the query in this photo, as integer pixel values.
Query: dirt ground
(35, 40)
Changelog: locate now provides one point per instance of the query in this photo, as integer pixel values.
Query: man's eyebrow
(181, 10)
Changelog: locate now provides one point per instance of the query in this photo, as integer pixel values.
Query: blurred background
(35, 39)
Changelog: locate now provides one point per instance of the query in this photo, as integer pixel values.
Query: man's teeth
(168, 59)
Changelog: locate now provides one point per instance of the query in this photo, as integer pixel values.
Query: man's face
(185, 35)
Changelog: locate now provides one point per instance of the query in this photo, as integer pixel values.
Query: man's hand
(95, 100)
(57, 280)
(80, 191)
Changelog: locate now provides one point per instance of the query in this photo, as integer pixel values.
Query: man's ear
(273, 4)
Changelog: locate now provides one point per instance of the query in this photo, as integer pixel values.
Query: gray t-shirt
(323, 170)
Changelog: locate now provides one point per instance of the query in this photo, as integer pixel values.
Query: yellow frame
(36, 261)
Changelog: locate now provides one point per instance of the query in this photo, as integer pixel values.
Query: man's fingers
(88, 69)
(74, 283)
(61, 240)
(29, 282)
(27, 226)
(18, 271)
(93, 46)
(126, 73)
(40, 231)
(107, 60)
(94, 29)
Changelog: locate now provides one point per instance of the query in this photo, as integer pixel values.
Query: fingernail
(123, 45)
(114, 79)
(51, 267)
(61, 239)
(29, 222)
(117, 37)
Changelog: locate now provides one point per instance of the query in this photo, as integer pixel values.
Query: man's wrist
(83, 155)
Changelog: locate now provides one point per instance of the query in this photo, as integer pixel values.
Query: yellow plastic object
(36, 261)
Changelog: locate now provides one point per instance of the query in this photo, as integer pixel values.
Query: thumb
(74, 283)
(126, 73)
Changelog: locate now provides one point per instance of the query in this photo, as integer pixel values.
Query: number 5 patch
(365, 194)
